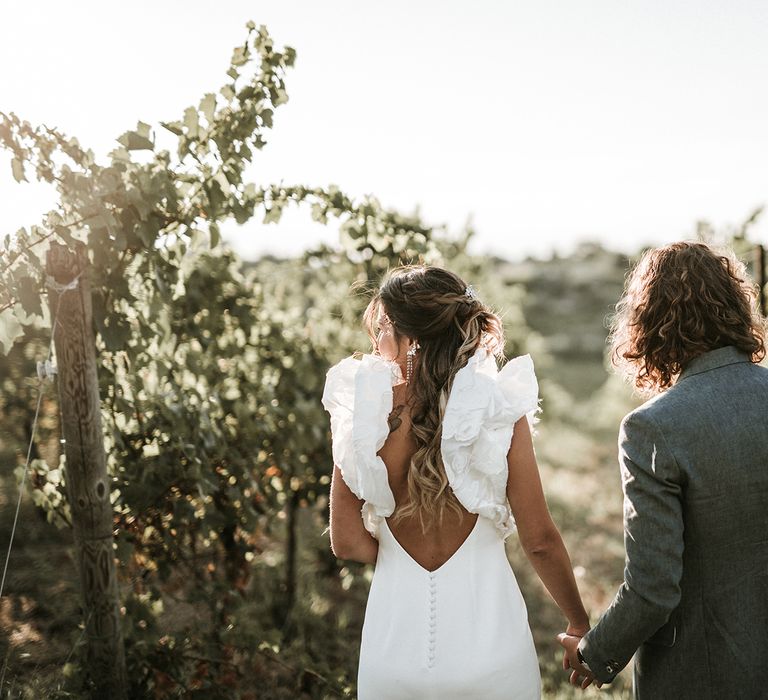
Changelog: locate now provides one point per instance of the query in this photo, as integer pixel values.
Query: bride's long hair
(429, 304)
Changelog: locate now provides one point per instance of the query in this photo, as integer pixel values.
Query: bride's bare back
(437, 546)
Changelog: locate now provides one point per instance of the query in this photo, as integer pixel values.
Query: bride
(433, 468)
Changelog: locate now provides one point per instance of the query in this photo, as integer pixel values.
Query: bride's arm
(539, 535)
(349, 538)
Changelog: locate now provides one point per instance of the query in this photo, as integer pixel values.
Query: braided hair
(431, 305)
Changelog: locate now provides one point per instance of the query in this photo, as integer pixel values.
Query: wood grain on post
(88, 486)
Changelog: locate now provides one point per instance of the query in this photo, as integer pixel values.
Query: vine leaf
(174, 127)
(208, 106)
(18, 170)
(29, 295)
(10, 329)
(137, 140)
(215, 234)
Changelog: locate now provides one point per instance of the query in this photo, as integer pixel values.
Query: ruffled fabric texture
(483, 405)
(358, 396)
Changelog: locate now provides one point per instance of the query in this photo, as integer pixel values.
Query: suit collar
(721, 357)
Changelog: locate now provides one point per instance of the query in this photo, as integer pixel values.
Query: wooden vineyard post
(88, 486)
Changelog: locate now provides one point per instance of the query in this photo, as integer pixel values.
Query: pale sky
(547, 122)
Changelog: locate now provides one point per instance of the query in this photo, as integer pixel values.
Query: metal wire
(41, 380)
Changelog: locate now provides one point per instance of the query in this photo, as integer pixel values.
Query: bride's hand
(579, 676)
(575, 630)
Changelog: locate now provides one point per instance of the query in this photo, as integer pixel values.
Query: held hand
(574, 630)
(579, 676)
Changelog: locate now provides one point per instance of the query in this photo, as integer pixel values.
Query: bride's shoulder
(361, 376)
(483, 406)
(358, 396)
(517, 381)
(482, 395)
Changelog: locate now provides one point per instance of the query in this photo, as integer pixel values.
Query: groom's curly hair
(680, 301)
(429, 303)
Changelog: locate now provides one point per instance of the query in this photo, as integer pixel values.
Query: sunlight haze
(548, 123)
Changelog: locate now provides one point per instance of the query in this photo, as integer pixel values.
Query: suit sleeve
(653, 539)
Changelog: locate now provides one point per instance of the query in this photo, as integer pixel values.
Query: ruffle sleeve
(358, 397)
(483, 406)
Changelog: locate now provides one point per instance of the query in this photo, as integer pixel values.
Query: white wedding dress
(462, 630)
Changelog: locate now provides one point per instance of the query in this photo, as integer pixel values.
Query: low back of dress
(434, 547)
(460, 630)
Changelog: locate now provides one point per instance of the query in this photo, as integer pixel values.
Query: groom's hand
(579, 676)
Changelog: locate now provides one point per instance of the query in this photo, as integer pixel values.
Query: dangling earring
(409, 362)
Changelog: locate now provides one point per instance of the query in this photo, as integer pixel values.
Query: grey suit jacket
(694, 602)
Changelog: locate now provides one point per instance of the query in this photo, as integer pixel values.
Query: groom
(693, 606)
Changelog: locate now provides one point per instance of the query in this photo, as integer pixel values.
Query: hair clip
(470, 292)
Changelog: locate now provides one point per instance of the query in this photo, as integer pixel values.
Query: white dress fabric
(462, 630)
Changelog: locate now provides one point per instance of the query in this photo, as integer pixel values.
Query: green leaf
(64, 233)
(216, 198)
(240, 56)
(135, 141)
(173, 127)
(10, 330)
(280, 98)
(116, 333)
(18, 170)
(143, 129)
(192, 122)
(29, 295)
(208, 106)
(273, 214)
(215, 234)
(120, 155)
(319, 213)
